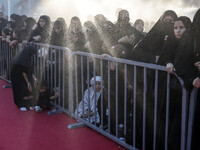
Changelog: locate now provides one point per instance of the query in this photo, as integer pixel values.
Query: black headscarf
(152, 43)
(30, 22)
(3, 23)
(24, 57)
(185, 58)
(18, 21)
(47, 21)
(93, 37)
(44, 32)
(196, 32)
(171, 44)
(123, 26)
(59, 39)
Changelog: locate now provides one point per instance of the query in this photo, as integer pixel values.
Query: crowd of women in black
(174, 41)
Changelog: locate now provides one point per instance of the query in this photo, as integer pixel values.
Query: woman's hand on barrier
(196, 82)
(170, 68)
(104, 56)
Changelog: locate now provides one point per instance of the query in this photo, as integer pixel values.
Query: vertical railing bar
(95, 100)
(155, 109)
(82, 81)
(167, 113)
(193, 100)
(116, 99)
(102, 109)
(109, 97)
(63, 77)
(76, 81)
(144, 111)
(134, 105)
(125, 99)
(59, 75)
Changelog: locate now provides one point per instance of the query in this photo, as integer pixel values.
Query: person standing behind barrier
(94, 40)
(28, 28)
(3, 24)
(125, 34)
(42, 31)
(59, 60)
(139, 25)
(22, 78)
(76, 37)
(16, 38)
(118, 51)
(167, 58)
(187, 65)
(59, 34)
(94, 46)
(6, 33)
(149, 47)
(88, 106)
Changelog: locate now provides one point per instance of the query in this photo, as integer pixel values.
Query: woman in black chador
(125, 34)
(149, 47)
(42, 31)
(167, 57)
(59, 34)
(76, 38)
(28, 28)
(187, 66)
(22, 78)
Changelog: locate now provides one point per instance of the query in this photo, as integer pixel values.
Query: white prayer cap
(98, 78)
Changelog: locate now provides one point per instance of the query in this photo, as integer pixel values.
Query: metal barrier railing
(131, 94)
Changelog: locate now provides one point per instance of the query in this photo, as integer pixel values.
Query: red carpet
(39, 131)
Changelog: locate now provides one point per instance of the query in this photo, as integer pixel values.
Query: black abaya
(22, 64)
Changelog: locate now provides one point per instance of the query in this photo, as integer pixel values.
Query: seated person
(44, 98)
(88, 107)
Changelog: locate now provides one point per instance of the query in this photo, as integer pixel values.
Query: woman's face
(168, 18)
(56, 29)
(42, 22)
(140, 26)
(179, 29)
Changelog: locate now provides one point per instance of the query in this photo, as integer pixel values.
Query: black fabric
(60, 38)
(24, 57)
(152, 43)
(3, 24)
(22, 64)
(44, 99)
(19, 86)
(44, 32)
(27, 30)
(94, 38)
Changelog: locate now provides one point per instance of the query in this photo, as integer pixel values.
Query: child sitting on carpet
(88, 106)
(44, 97)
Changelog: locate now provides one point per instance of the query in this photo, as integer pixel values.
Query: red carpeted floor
(39, 131)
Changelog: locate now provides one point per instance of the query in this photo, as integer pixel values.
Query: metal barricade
(83, 66)
(135, 96)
